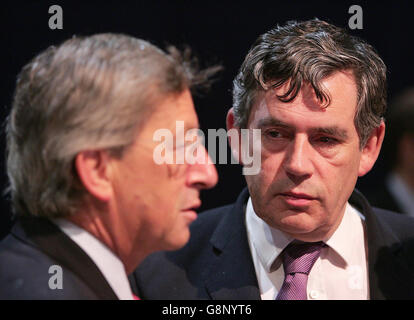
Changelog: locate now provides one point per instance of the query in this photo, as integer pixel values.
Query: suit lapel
(231, 275)
(52, 241)
(386, 266)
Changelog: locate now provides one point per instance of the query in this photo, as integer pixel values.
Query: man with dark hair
(300, 230)
(397, 191)
(89, 199)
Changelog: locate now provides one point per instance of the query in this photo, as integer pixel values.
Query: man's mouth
(190, 211)
(297, 199)
(193, 207)
(298, 195)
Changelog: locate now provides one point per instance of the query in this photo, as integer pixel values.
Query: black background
(218, 32)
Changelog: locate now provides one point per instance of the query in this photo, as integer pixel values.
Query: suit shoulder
(400, 225)
(23, 270)
(16, 255)
(25, 273)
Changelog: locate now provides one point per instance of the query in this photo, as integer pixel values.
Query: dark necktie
(298, 260)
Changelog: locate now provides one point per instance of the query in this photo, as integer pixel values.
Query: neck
(100, 221)
(95, 221)
(91, 220)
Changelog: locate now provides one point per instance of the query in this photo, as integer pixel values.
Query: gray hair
(308, 52)
(87, 93)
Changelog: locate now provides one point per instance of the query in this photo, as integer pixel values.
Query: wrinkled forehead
(305, 106)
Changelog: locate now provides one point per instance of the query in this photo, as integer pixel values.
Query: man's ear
(233, 133)
(371, 150)
(92, 168)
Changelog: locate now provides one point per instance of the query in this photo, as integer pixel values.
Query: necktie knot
(300, 257)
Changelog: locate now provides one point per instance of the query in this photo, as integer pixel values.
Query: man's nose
(203, 173)
(298, 160)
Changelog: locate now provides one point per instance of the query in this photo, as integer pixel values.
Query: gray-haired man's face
(157, 202)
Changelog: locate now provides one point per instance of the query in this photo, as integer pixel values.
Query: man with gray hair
(90, 200)
(300, 230)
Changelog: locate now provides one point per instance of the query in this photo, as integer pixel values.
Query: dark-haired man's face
(311, 158)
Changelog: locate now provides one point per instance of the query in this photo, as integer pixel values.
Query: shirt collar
(270, 242)
(267, 241)
(340, 241)
(107, 262)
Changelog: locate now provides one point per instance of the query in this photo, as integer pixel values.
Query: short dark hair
(308, 52)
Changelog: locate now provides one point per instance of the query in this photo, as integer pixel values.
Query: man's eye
(273, 134)
(327, 140)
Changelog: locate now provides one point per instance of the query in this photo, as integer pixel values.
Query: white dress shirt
(339, 273)
(107, 262)
(402, 193)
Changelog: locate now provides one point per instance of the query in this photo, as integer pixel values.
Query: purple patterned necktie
(298, 260)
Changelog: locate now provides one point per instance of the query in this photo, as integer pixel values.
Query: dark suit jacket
(217, 263)
(381, 197)
(31, 248)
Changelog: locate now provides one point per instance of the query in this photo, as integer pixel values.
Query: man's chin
(297, 224)
(178, 241)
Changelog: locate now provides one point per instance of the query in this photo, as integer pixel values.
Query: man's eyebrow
(271, 122)
(331, 131)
